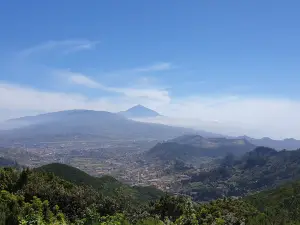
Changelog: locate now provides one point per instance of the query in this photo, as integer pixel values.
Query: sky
(231, 67)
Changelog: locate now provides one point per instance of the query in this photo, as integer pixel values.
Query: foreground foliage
(41, 198)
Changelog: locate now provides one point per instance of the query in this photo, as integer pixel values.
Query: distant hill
(215, 142)
(257, 170)
(86, 124)
(189, 148)
(288, 143)
(106, 184)
(79, 177)
(139, 111)
(75, 175)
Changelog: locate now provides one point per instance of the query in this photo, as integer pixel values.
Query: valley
(150, 154)
(150, 164)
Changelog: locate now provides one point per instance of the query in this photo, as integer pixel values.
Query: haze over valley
(137, 153)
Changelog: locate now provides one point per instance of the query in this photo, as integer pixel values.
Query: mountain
(190, 148)
(86, 124)
(257, 170)
(288, 143)
(211, 142)
(139, 111)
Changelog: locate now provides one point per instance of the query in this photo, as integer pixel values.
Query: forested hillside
(39, 197)
(106, 184)
(257, 170)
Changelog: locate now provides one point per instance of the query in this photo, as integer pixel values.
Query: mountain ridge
(89, 124)
(287, 143)
(191, 148)
(257, 170)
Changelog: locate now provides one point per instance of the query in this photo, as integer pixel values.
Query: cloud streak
(150, 93)
(67, 46)
(80, 79)
(154, 68)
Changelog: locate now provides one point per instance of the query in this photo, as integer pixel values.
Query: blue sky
(226, 66)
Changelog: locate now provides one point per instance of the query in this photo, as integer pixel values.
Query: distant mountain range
(103, 125)
(139, 111)
(86, 124)
(256, 170)
(190, 148)
(288, 143)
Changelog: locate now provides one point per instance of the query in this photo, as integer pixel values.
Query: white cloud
(18, 99)
(255, 116)
(155, 67)
(67, 46)
(150, 93)
(231, 115)
(80, 79)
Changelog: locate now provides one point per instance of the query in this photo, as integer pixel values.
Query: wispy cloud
(80, 79)
(151, 93)
(67, 46)
(155, 67)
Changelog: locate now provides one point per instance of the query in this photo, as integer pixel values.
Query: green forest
(60, 194)
(258, 170)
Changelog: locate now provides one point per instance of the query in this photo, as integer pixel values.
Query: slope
(281, 204)
(76, 176)
(106, 184)
(30, 196)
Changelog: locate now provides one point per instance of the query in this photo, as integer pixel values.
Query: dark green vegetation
(106, 184)
(61, 194)
(191, 148)
(7, 162)
(41, 198)
(281, 203)
(257, 170)
(102, 196)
